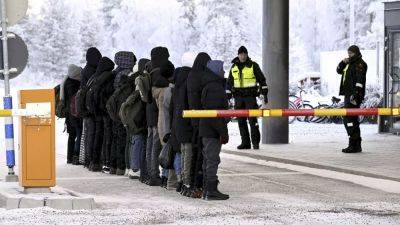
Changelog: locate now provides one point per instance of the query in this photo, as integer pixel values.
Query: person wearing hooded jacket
(246, 82)
(104, 69)
(93, 57)
(133, 116)
(74, 124)
(194, 89)
(162, 71)
(153, 144)
(213, 131)
(182, 127)
(352, 86)
(125, 62)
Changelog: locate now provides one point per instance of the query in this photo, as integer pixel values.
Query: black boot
(244, 146)
(256, 147)
(357, 145)
(75, 161)
(154, 181)
(164, 181)
(352, 148)
(212, 192)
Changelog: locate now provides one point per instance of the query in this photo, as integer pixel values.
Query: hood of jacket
(200, 63)
(74, 72)
(93, 57)
(217, 67)
(142, 65)
(159, 56)
(105, 64)
(181, 74)
(125, 60)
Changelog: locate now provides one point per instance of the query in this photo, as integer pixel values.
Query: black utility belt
(246, 92)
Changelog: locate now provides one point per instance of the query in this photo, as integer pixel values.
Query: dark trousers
(248, 103)
(153, 149)
(352, 123)
(118, 146)
(211, 151)
(74, 129)
(107, 141)
(197, 160)
(98, 140)
(90, 136)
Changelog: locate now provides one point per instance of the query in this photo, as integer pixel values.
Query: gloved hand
(265, 99)
(224, 140)
(353, 100)
(229, 94)
(166, 137)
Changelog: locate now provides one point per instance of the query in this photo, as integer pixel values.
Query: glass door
(394, 79)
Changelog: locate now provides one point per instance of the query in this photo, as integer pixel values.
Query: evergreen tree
(57, 40)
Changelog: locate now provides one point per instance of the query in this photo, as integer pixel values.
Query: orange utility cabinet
(37, 142)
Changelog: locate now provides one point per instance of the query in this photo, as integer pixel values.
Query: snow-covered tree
(57, 40)
(188, 19)
(91, 32)
(223, 30)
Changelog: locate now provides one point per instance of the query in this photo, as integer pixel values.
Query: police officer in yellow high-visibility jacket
(246, 82)
(352, 86)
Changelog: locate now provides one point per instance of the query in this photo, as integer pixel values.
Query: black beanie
(355, 49)
(242, 49)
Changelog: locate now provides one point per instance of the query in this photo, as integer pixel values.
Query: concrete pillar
(276, 67)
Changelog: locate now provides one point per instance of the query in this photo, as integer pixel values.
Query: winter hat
(188, 59)
(74, 72)
(216, 66)
(242, 49)
(93, 56)
(354, 49)
(125, 60)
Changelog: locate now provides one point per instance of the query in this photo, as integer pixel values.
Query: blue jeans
(138, 146)
(178, 163)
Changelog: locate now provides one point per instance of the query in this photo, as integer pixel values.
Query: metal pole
(9, 126)
(275, 38)
(378, 54)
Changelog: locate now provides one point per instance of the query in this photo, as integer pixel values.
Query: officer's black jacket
(354, 82)
(260, 78)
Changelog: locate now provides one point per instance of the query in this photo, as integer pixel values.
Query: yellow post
(37, 142)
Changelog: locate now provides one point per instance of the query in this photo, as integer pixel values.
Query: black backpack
(61, 107)
(94, 92)
(118, 97)
(81, 99)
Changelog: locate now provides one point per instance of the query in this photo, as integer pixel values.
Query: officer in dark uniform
(352, 87)
(246, 82)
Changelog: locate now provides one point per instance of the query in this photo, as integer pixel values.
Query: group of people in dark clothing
(120, 117)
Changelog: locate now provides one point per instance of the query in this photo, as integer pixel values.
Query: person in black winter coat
(213, 131)
(182, 127)
(74, 124)
(125, 62)
(194, 89)
(352, 86)
(104, 69)
(93, 57)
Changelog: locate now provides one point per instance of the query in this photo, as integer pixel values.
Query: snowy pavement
(260, 194)
(321, 144)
